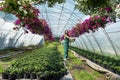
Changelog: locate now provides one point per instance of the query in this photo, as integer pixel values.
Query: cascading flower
(17, 22)
(27, 17)
(72, 33)
(93, 23)
(108, 9)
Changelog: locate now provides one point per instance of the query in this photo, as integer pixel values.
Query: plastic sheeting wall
(18, 39)
(104, 41)
(12, 38)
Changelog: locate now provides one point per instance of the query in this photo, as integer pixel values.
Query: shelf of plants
(45, 63)
(107, 62)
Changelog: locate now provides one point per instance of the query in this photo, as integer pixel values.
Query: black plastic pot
(107, 67)
(43, 78)
(40, 78)
(111, 69)
(60, 74)
(27, 75)
(103, 65)
(117, 72)
(57, 77)
(12, 76)
(33, 76)
(50, 77)
(5, 76)
(20, 76)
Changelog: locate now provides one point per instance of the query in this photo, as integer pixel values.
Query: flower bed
(107, 62)
(45, 63)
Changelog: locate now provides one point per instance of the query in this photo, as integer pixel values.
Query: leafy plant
(110, 63)
(90, 7)
(42, 62)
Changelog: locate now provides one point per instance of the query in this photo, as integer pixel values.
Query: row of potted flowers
(107, 62)
(45, 63)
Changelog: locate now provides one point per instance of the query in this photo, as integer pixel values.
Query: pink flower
(17, 22)
(27, 26)
(1, 8)
(108, 9)
(93, 23)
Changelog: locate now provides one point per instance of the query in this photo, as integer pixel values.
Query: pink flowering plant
(27, 17)
(91, 24)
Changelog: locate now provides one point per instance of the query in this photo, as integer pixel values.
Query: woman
(66, 44)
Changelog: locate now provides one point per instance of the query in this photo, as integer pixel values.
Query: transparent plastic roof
(59, 17)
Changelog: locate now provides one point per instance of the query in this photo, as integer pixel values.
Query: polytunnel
(59, 40)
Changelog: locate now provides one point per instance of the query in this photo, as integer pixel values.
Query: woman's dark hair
(66, 32)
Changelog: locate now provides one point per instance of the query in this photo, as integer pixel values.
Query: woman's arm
(68, 36)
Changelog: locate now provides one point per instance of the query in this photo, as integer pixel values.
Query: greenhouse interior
(59, 40)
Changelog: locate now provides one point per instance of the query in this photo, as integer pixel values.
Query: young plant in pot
(27, 72)
(12, 75)
(20, 74)
(5, 74)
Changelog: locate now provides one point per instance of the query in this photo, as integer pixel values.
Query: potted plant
(33, 75)
(5, 74)
(20, 74)
(12, 75)
(40, 76)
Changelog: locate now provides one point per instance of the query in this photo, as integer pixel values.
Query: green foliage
(1, 68)
(83, 75)
(108, 62)
(41, 61)
(89, 7)
(78, 73)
